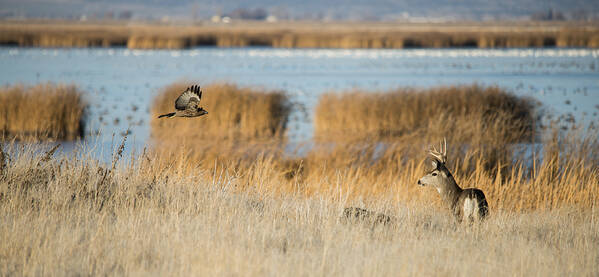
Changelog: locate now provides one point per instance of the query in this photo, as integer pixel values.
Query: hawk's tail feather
(167, 115)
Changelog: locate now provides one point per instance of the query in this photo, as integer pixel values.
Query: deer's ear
(434, 163)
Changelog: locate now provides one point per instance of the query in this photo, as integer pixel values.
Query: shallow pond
(565, 81)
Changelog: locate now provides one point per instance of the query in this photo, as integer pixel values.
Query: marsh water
(121, 83)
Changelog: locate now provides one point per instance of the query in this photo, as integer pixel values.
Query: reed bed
(300, 35)
(73, 215)
(42, 112)
(488, 119)
(466, 113)
(234, 113)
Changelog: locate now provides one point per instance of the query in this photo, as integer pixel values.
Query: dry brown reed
(234, 113)
(466, 113)
(300, 34)
(41, 112)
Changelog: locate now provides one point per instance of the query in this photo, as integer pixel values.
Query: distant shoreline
(346, 35)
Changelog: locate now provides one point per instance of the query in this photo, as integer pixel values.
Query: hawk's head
(201, 111)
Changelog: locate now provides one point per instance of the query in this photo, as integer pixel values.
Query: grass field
(42, 112)
(67, 216)
(140, 35)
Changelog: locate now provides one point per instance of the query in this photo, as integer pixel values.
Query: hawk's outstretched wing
(192, 94)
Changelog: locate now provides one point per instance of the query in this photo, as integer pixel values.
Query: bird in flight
(188, 104)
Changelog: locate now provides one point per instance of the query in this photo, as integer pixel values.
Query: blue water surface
(121, 83)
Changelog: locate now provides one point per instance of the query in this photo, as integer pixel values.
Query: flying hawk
(188, 104)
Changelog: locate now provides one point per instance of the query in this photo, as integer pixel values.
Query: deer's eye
(435, 174)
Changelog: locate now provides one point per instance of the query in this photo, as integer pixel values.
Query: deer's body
(466, 204)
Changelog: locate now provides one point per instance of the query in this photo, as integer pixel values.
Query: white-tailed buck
(466, 204)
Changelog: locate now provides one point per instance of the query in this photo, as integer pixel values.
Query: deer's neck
(450, 192)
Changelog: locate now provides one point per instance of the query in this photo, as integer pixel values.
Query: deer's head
(439, 176)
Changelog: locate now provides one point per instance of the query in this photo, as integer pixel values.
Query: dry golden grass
(41, 112)
(300, 34)
(77, 216)
(566, 176)
(234, 113)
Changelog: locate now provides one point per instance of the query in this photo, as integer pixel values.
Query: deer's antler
(442, 154)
